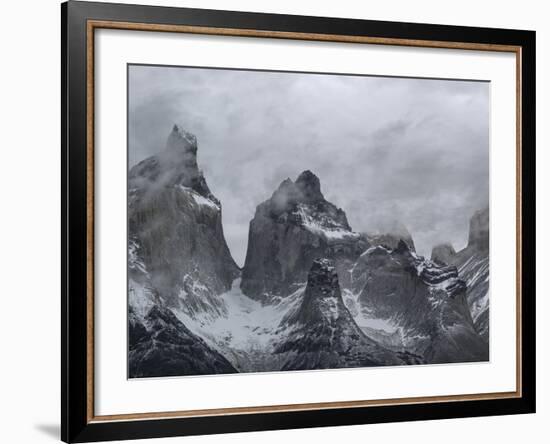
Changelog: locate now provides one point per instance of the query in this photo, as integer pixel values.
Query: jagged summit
(310, 186)
(175, 227)
(312, 294)
(304, 203)
(305, 190)
(176, 165)
(323, 331)
(289, 231)
(180, 139)
(322, 297)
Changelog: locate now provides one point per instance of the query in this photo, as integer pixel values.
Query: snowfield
(247, 328)
(324, 226)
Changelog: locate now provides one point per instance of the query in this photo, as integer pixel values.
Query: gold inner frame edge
(92, 25)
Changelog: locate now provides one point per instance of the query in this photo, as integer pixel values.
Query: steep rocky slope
(415, 305)
(162, 346)
(321, 332)
(473, 267)
(312, 294)
(291, 229)
(175, 229)
(177, 260)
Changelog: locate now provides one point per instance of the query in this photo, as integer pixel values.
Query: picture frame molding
(79, 22)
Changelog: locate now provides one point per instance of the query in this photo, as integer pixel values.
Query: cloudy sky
(385, 149)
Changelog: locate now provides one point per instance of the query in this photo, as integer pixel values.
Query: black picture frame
(76, 423)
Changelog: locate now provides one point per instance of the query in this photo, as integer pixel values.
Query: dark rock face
(323, 333)
(177, 260)
(175, 228)
(291, 229)
(160, 345)
(314, 294)
(426, 301)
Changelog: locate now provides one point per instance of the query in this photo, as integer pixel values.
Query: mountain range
(313, 293)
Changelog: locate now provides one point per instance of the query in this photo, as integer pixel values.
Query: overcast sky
(385, 149)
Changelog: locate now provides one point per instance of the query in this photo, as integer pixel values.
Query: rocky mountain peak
(322, 300)
(323, 331)
(309, 186)
(174, 166)
(289, 231)
(443, 253)
(181, 155)
(306, 189)
(175, 227)
(479, 230)
(181, 140)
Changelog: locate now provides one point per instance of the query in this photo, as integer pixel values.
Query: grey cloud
(384, 148)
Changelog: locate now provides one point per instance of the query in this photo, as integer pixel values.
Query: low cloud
(415, 150)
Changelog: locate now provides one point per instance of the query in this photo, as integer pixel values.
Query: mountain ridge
(313, 293)
(472, 263)
(323, 332)
(288, 231)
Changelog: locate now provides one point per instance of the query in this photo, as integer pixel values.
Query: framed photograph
(275, 221)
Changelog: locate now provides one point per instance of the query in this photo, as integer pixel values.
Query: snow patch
(329, 229)
(247, 326)
(139, 298)
(134, 262)
(199, 199)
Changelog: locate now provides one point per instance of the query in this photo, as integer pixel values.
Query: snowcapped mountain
(291, 229)
(321, 332)
(312, 294)
(175, 229)
(177, 255)
(473, 267)
(412, 304)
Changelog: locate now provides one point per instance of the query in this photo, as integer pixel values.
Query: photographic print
(282, 221)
